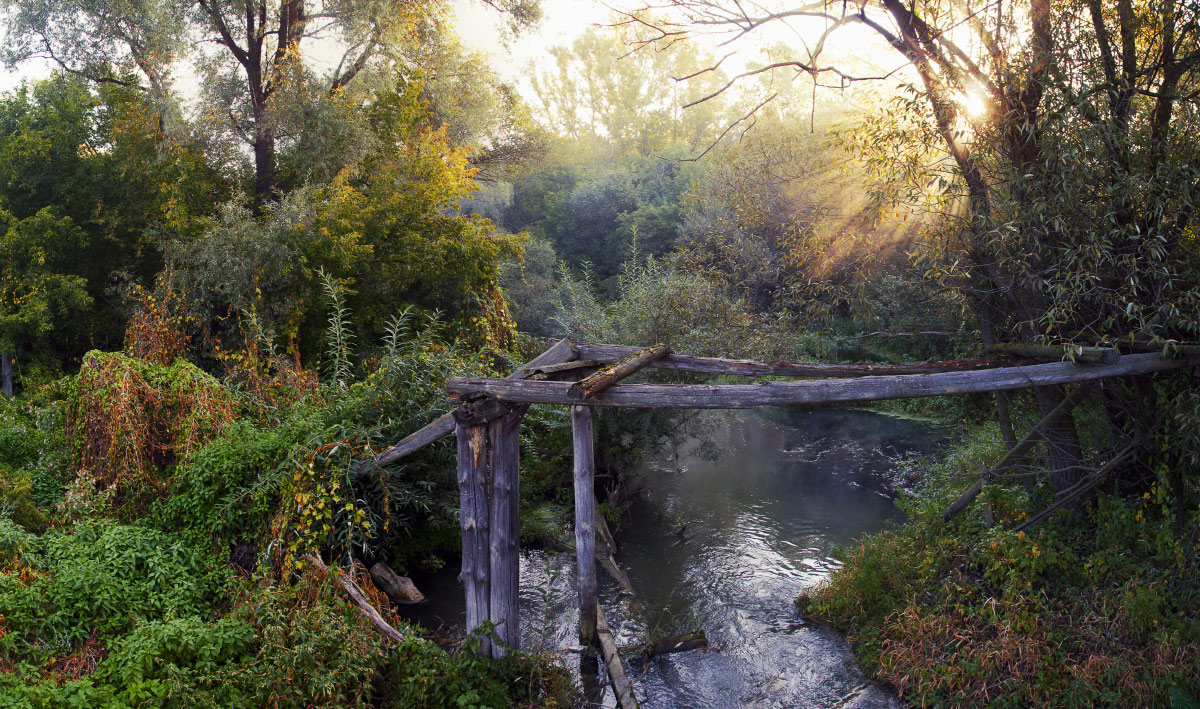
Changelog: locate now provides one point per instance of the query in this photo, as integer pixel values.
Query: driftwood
(828, 391)
(750, 368)
(1016, 452)
(1070, 494)
(399, 589)
(443, 425)
(1096, 355)
(695, 640)
(621, 685)
(595, 383)
(360, 599)
(606, 548)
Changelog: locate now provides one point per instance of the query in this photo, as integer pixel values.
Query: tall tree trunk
(6, 374)
(264, 168)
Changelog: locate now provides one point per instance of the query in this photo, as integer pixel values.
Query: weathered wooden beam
(1023, 446)
(827, 391)
(750, 368)
(585, 526)
(597, 382)
(473, 524)
(695, 640)
(1095, 355)
(505, 567)
(557, 353)
(621, 685)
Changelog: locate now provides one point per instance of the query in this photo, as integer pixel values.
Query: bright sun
(974, 103)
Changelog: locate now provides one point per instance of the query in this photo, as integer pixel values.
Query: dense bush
(1068, 615)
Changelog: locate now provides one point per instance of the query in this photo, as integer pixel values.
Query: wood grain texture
(621, 685)
(585, 524)
(473, 524)
(750, 368)
(505, 564)
(826, 391)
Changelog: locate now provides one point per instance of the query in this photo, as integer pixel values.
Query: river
(725, 531)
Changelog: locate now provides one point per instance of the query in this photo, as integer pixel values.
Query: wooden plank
(1094, 355)
(621, 685)
(826, 391)
(585, 527)
(505, 565)
(599, 381)
(443, 425)
(750, 368)
(473, 523)
(1023, 446)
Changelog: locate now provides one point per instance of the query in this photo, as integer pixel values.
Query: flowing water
(726, 530)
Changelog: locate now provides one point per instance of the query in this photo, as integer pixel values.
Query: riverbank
(1102, 612)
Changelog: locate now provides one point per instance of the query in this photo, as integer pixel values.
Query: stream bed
(726, 529)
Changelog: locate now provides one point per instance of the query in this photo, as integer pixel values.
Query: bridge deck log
(825, 391)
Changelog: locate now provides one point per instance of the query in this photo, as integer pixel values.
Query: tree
(38, 293)
(1073, 186)
(259, 60)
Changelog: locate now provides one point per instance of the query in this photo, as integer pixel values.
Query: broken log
(1077, 353)
(360, 599)
(826, 391)
(753, 369)
(595, 383)
(1023, 446)
(399, 589)
(606, 549)
(621, 685)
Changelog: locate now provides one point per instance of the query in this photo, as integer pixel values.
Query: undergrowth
(1101, 611)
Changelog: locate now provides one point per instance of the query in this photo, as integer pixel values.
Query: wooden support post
(585, 527)
(505, 532)
(1023, 446)
(473, 521)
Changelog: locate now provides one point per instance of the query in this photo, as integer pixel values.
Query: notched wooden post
(585, 511)
(473, 518)
(503, 434)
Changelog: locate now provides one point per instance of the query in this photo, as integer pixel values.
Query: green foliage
(964, 613)
(420, 674)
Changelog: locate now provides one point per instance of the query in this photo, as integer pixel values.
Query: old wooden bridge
(584, 375)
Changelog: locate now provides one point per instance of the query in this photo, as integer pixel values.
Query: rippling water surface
(721, 538)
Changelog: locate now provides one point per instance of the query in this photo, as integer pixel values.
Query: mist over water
(722, 538)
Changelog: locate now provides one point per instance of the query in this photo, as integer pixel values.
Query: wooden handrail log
(751, 368)
(1101, 355)
(826, 391)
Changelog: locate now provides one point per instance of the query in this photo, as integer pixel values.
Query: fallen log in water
(695, 640)
(622, 687)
